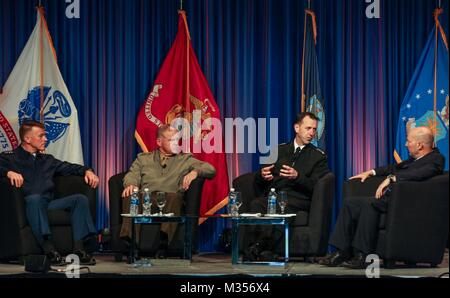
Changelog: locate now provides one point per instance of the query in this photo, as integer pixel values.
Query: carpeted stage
(214, 264)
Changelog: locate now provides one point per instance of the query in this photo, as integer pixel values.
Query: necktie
(296, 154)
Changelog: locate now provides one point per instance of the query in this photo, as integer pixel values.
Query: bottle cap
(272, 189)
(146, 189)
(231, 189)
(135, 189)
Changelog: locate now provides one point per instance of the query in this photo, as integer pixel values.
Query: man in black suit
(297, 169)
(357, 224)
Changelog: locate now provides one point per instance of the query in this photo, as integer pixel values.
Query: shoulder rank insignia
(320, 150)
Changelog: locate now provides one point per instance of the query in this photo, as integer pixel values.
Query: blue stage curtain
(250, 52)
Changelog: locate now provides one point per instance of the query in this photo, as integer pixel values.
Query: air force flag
(426, 100)
(35, 89)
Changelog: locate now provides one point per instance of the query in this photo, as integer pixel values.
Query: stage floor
(220, 264)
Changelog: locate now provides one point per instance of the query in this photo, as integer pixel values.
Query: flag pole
(41, 63)
(181, 4)
(302, 107)
(437, 11)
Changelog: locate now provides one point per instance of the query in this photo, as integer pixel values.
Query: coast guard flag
(426, 100)
(312, 99)
(36, 90)
(180, 91)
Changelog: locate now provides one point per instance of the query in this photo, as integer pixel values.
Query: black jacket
(311, 165)
(426, 167)
(37, 172)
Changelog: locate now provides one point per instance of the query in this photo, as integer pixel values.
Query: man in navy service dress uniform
(356, 228)
(298, 168)
(32, 171)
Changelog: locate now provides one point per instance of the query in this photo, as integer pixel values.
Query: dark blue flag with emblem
(312, 100)
(426, 100)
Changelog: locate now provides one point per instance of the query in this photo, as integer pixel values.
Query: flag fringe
(437, 12)
(213, 210)
(140, 141)
(397, 157)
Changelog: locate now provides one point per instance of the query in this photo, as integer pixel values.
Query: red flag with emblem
(181, 91)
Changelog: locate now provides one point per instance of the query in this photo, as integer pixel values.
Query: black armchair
(149, 237)
(16, 237)
(415, 227)
(310, 230)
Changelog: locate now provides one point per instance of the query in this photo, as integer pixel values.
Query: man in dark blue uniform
(356, 228)
(32, 171)
(298, 168)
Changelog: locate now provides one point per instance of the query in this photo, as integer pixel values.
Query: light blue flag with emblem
(426, 100)
(312, 100)
(35, 89)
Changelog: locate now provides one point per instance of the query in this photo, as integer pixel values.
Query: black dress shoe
(161, 253)
(55, 258)
(85, 258)
(335, 259)
(357, 262)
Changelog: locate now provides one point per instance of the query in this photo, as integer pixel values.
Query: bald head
(420, 141)
(423, 135)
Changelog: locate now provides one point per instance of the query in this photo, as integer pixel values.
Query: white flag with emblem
(35, 89)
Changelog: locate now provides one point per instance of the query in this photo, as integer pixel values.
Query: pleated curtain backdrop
(250, 53)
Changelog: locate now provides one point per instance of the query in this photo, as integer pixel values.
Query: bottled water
(272, 202)
(146, 202)
(134, 203)
(232, 208)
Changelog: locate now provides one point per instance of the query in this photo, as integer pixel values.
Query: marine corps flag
(312, 100)
(36, 90)
(181, 91)
(426, 100)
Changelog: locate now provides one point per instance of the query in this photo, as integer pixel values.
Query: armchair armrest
(12, 205)
(244, 184)
(356, 188)
(193, 197)
(418, 210)
(319, 218)
(115, 188)
(12, 217)
(321, 202)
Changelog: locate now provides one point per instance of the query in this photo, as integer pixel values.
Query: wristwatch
(391, 177)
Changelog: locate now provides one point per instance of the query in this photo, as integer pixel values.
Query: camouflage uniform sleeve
(204, 169)
(133, 177)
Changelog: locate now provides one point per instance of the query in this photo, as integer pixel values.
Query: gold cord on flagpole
(41, 64)
(302, 101)
(434, 125)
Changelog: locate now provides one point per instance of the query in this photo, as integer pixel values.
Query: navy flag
(426, 100)
(312, 100)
